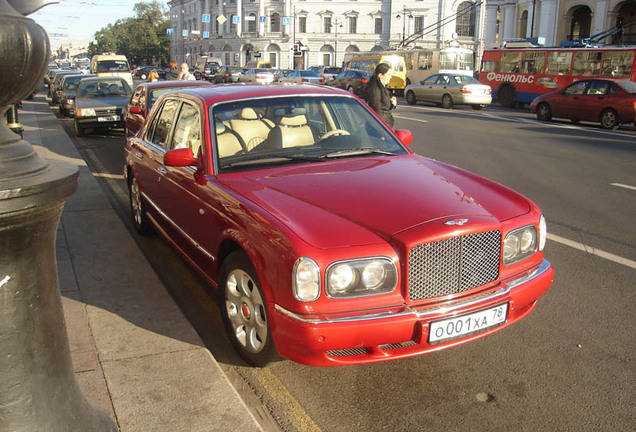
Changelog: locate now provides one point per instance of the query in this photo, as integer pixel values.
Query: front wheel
(447, 101)
(609, 119)
(544, 112)
(244, 310)
(143, 76)
(79, 130)
(410, 98)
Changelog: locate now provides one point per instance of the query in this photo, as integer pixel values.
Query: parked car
(302, 76)
(99, 103)
(327, 72)
(65, 95)
(205, 71)
(143, 71)
(605, 101)
(279, 73)
(257, 75)
(226, 74)
(354, 81)
(448, 90)
(326, 238)
(54, 81)
(143, 98)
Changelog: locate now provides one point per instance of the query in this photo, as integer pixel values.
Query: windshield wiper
(356, 152)
(273, 160)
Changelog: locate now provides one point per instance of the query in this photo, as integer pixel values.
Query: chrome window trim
(538, 271)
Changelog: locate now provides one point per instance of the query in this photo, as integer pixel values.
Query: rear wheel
(507, 96)
(137, 208)
(447, 101)
(350, 89)
(410, 97)
(544, 112)
(244, 310)
(609, 119)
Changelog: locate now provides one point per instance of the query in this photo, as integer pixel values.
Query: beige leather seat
(251, 127)
(227, 143)
(292, 130)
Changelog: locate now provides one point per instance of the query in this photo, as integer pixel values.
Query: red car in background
(605, 101)
(325, 238)
(144, 96)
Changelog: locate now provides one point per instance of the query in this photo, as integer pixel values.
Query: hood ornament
(458, 222)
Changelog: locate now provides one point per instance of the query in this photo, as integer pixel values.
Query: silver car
(447, 90)
(258, 75)
(302, 76)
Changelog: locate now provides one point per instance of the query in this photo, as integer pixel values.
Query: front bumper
(400, 331)
(94, 123)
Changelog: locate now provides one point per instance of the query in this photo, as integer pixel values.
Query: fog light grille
(453, 265)
(347, 352)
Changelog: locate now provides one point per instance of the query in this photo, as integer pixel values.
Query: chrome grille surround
(107, 111)
(453, 265)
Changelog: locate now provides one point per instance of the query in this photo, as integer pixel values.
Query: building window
(353, 25)
(377, 25)
(418, 26)
(251, 24)
(466, 15)
(274, 22)
(326, 24)
(302, 24)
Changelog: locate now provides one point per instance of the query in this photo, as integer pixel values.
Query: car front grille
(107, 111)
(453, 265)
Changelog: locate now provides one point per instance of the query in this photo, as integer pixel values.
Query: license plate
(108, 118)
(465, 324)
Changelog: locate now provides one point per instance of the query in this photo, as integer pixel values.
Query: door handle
(139, 155)
(162, 170)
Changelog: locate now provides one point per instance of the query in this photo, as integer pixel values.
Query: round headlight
(511, 246)
(373, 274)
(306, 280)
(341, 278)
(527, 241)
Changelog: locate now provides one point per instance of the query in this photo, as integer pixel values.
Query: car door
(593, 101)
(424, 92)
(567, 104)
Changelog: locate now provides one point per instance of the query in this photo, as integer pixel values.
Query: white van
(110, 64)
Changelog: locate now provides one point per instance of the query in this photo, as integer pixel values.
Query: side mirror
(405, 136)
(135, 109)
(179, 158)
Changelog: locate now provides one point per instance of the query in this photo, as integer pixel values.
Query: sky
(76, 21)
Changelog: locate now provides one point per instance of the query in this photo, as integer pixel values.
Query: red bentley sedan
(605, 101)
(144, 96)
(326, 239)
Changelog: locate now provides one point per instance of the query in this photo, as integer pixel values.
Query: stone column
(491, 25)
(38, 390)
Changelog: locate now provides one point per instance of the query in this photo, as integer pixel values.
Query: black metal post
(38, 390)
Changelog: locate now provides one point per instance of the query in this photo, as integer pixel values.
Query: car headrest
(297, 120)
(220, 128)
(248, 114)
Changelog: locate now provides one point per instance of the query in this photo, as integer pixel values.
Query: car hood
(102, 101)
(367, 200)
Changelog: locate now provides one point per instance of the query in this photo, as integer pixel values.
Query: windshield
(103, 88)
(251, 134)
(113, 66)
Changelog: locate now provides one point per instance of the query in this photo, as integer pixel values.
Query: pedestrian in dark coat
(173, 72)
(378, 96)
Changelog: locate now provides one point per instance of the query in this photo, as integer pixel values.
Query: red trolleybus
(518, 75)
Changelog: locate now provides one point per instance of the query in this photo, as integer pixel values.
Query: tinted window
(164, 123)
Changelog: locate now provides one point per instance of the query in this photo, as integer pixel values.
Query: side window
(164, 123)
(431, 80)
(576, 88)
(187, 132)
(598, 88)
(134, 100)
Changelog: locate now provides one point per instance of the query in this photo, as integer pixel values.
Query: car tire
(350, 89)
(79, 130)
(244, 310)
(137, 208)
(410, 98)
(477, 107)
(544, 112)
(609, 119)
(447, 101)
(507, 96)
(143, 76)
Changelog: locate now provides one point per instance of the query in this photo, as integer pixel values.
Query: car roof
(229, 92)
(174, 83)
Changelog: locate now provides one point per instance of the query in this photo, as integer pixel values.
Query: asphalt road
(569, 366)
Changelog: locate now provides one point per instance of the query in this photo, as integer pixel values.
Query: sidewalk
(135, 355)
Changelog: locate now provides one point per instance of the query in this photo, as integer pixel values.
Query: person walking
(184, 74)
(173, 70)
(378, 96)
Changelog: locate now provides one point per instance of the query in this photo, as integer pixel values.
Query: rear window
(628, 86)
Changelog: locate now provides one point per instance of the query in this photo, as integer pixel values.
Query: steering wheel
(334, 133)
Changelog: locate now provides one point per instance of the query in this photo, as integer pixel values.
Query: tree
(142, 38)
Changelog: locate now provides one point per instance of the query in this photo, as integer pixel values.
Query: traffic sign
(169, 32)
(206, 35)
(262, 19)
(184, 33)
(286, 21)
(221, 19)
(205, 18)
(236, 19)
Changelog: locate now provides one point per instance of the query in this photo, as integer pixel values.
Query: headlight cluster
(344, 279)
(86, 112)
(523, 243)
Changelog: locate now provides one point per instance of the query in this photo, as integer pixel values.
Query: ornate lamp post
(38, 390)
(404, 17)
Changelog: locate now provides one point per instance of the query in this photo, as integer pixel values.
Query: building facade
(239, 31)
